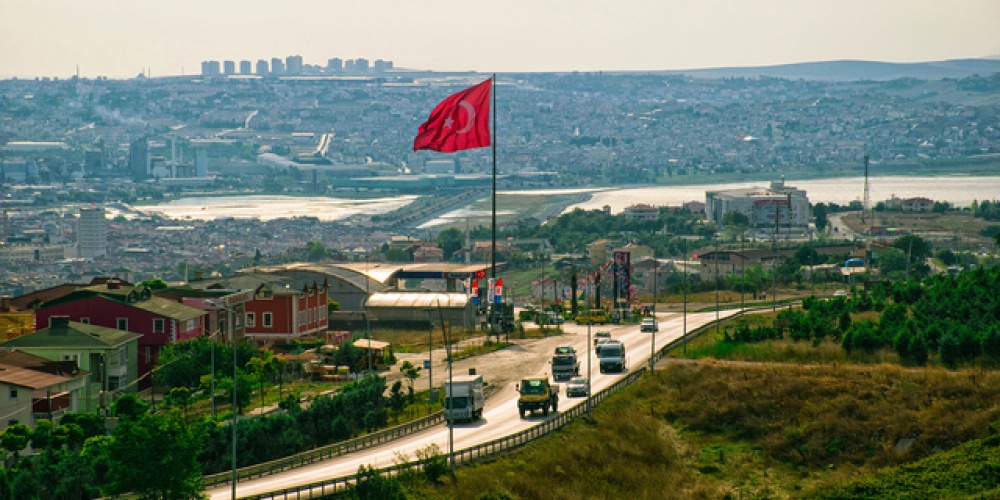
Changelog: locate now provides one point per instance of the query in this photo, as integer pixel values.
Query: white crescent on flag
(470, 110)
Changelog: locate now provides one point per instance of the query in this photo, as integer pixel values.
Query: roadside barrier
(480, 451)
(466, 455)
(324, 452)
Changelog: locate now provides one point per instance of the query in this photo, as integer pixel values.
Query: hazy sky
(119, 38)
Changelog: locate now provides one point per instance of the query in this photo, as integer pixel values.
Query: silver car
(577, 386)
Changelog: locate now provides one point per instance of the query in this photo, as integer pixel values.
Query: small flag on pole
(498, 295)
(461, 121)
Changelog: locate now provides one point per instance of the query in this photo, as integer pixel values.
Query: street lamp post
(590, 346)
(368, 324)
(684, 289)
(743, 274)
(430, 359)
(652, 342)
(450, 421)
(234, 417)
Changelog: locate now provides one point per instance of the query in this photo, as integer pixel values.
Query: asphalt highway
(500, 417)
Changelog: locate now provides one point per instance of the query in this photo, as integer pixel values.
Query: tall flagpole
(493, 247)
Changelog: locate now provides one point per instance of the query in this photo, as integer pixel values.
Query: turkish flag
(481, 273)
(462, 121)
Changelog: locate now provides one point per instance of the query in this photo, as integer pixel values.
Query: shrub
(950, 351)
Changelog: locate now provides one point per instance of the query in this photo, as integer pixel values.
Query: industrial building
(779, 208)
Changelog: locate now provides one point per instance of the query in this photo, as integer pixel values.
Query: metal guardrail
(489, 448)
(466, 455)
(324, 452)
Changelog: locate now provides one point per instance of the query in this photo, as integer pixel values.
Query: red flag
(461, 121)
(481, 273)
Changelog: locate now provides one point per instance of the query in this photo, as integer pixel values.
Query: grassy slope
(711, 429)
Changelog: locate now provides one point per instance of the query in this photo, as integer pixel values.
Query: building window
(85, 321)
(158, 325)
(149, 354)
(251, 320)
(113, 383)
(74, 357)
(122, 323)
(268, 319)
(122, 355)
(13, 393)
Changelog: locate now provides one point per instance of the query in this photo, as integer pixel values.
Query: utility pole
(774, 259)
(684, 288)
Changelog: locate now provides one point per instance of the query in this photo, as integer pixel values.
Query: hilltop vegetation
(857, 397)
(715, 430)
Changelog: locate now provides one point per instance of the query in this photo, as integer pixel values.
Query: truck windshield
(611, 350)
(456, 402)
(532, 387)
(562, 360)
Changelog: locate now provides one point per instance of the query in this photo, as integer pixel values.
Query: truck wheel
(545, 410)
(555, 406)
(522, 412)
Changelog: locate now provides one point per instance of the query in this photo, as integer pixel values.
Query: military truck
(565, 364)
(536, 393)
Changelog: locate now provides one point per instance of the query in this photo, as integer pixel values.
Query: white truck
(463, 398)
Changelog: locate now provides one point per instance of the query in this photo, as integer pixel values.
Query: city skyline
(122, 39)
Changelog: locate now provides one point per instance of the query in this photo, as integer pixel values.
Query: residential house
(157, 320)
(34, 388)
(280, 309)
(641, 211)
(108, 354)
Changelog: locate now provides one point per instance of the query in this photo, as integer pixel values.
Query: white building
(92, 233)
(780, 207)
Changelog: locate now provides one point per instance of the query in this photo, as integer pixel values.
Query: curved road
(500, 417)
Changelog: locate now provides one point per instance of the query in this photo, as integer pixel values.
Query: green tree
(156, 284)
(820, 213)
(397, 401)
(91, 424)
(129, 406)
(156, 457)
(917, 250)
(450, 240)
(349, 356)
(264, 367)
(411, 373)
(371, 485)
(15, 439)
(181, 396)
(316, 251)
(947, 257)
(949, 348)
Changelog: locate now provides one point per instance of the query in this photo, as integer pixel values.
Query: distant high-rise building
(210, 68)
(138, 159)
(361, 65)
(246, 67)
(277, 66)
(335, 64)
(201, 163)
(293, 65)
(349, 66)
(92, 233)
(229, 67)
(382, 65)
(94, 161)
(262, 68)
